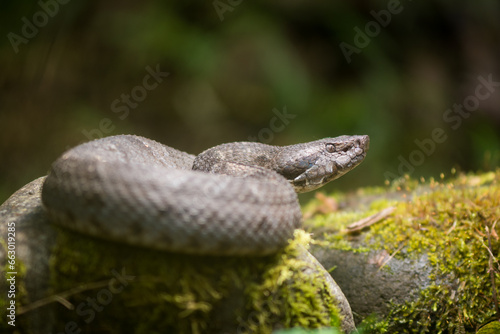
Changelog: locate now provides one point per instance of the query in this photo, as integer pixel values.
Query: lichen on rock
(424, 269)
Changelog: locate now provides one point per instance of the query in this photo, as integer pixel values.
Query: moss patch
(491, 328)
(448, 221)
(172, 293)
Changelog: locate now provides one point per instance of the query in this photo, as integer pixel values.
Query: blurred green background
(235, 66)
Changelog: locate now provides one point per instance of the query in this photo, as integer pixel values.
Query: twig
(491, 255)
(368, 221)
(390, 257)
(64, 302)
(452, 227)
(492, 275)
(62, 297)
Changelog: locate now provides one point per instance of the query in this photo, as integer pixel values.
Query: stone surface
(37, 243)
(423, 268)
(370, 289)
(34, 238)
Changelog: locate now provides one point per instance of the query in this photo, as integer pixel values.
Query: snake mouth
(303, 186)
(340, 157)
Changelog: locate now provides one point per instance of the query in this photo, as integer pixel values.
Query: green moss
(373, 324)
(447, 221)
(190, 294)
(491, 328)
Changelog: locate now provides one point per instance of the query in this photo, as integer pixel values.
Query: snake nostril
(364, 141)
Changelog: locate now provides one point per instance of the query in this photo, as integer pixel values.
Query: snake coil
(233, 199)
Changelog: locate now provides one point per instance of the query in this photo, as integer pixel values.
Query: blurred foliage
(233, 64)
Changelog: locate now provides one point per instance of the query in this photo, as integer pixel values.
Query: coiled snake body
(232, 199)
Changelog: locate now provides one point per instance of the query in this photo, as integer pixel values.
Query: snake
(237, 198)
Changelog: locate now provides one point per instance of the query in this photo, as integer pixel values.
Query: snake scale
(233, 199)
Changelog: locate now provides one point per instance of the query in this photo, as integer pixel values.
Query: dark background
(231, 63)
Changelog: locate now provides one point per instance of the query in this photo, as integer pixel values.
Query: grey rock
(370, 289)
(35, 236)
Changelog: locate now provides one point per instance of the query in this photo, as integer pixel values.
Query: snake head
(309, 166)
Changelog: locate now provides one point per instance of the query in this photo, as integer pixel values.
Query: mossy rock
(34, 237)
(491, 328)
(425, 268)
(171, 293)
(72, 282)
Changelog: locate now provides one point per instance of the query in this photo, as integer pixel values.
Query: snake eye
(330, 148)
